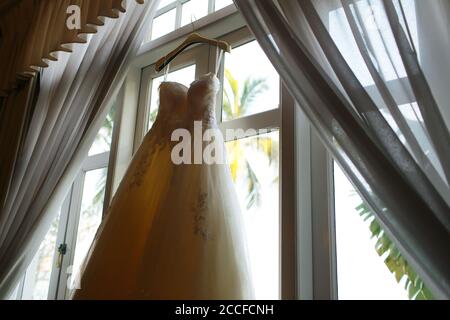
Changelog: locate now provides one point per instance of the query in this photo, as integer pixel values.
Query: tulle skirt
(172, 232)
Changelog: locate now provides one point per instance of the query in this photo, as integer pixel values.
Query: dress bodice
(201, 99)
(172, 103)
(180, 106)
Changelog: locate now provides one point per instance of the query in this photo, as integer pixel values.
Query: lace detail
(199, 208)
(144, 162)
(202, 100)
(171, 115)
(179, 108)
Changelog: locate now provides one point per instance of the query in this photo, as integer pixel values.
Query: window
(254, 163)
(250, 99)
(36, 283)
(251, 90)
(251, 83)
(297, 222)
(85, 212)
(193, 10)
(163, 24)
(219, 4)
(378, 29)
(70, 235)
(90, 214)
(172, 15)
(255, 156)
(361, 272)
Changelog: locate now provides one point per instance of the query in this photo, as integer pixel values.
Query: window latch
(62, 250)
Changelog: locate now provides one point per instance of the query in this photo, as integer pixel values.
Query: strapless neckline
(178, 103)
(207, 76)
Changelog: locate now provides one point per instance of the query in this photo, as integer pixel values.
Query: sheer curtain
(72, 103)
(368, 74)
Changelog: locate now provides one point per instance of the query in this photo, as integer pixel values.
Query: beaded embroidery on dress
(172, 231)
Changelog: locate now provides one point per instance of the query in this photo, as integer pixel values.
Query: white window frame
(68, 235)
(67, 232)
(178, 6)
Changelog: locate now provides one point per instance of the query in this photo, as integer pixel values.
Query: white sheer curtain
(74, 94)
(356, 69)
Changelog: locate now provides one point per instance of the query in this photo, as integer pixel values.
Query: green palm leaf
(235, 105)
(251, 89)
(394, 260)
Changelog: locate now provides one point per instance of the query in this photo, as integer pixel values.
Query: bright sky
(249, 61)
(362, 274)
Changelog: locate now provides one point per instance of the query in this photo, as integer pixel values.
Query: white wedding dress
(172, 231)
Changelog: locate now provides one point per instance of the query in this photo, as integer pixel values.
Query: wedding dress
(172, 231)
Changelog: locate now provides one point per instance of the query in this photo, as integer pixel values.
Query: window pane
(163, 24)
(251, 84)
(361, 272)
(254, 166)
(37, 277)
(102, 142)
(193, 10)
(184, 76)
(384, 50)
(164, 3)
(90, 216)
(222, 4)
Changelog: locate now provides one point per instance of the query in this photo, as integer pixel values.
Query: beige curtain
(31, 35)
(15, 110)
(54, 130)
(33, 31)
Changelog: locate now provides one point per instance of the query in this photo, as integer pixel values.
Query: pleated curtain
(33, 31)
(379, 99)
(55, 88)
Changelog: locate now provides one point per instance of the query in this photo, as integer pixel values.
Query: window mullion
(178, 15)
(288, 269)
(71, 233)
(166, 9)
(316, 254)
(97, 161)
(60, 239)
(322, 218)
(211, 6)
(261, 121)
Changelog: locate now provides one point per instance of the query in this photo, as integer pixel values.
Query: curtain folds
(75, 91)
(356, 70)
(15, 111)
(34, 31)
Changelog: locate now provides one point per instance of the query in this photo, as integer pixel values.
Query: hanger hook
(166, 69)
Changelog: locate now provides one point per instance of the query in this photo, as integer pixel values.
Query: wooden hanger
(192, 39)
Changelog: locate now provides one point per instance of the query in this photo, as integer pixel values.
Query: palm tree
(236, 103)
(394, 260)
(152, 117)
